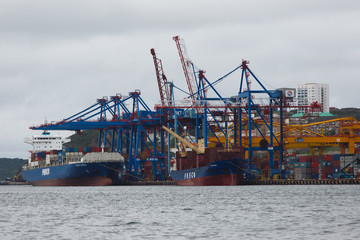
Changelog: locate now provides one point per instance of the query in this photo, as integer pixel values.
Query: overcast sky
(58, 57)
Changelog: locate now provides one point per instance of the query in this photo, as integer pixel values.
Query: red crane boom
(187, 67)
(162, 80)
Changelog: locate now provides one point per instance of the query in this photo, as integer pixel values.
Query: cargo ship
(50, 165)
(214, 166)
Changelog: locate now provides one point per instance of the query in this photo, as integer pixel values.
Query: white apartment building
(309, 93)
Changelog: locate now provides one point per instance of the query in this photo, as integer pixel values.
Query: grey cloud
(58, 57)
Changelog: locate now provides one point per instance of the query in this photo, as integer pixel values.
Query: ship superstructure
(46, 142)
(52, 165)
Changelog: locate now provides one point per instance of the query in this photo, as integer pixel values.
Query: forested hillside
(9, 167)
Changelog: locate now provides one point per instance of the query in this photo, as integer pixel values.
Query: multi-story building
(309, 93)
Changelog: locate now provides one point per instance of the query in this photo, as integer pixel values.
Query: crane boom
(187, 66)
(198, 148)
(162, 80)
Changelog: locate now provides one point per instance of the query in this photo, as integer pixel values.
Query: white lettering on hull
(45, 172)
(189, 175)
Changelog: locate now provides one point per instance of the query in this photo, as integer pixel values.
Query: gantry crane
(309, 135)
(196, 88)
(164, 89)
(130, 131)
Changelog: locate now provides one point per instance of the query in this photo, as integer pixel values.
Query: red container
(315, 164)
(323, 175)
(328, 157)
(326, 170)
(304, 159)
(336, 163)
(80, 149)
(315, 170)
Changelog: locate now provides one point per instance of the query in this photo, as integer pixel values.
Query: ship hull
(219, 173)
(76, 174)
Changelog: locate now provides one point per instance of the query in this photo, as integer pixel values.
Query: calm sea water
(171, 212)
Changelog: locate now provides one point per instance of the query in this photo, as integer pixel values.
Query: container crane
(163, 84)
(275, 100)
(188, 68)
(130, 131)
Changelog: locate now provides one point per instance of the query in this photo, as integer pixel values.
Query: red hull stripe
(218, 180)
(91, 181)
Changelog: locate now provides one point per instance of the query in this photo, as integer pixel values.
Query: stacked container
(302, 170)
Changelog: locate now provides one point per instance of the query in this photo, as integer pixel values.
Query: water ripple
(170, 212)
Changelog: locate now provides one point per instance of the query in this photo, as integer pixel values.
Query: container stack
(346, 160)
(289, 166)
(320, 167)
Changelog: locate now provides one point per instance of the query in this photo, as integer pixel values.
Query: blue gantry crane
(127, 125)
(209, 113)
(129, 130)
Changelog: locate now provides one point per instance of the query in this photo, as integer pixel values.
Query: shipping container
(326, 170)
(305, 164)
(314, 159)
(302, 170)
(315, 164)
(336, 163)
(302, 176)
(336, 175)
(323, 175)
(314, 176)
(315, 170)
(304, 159)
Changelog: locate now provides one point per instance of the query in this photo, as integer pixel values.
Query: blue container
(336, 169)
(329, 176)
(305, 164)
(298, 165)
(328, 163)
(315, 176)
(336, 157)
(336, 175)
